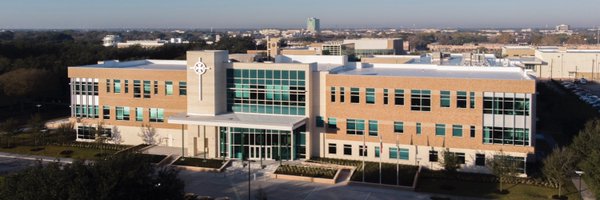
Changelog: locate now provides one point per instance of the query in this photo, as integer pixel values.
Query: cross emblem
(200, 68)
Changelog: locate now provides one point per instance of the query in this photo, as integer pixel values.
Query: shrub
(308, 171)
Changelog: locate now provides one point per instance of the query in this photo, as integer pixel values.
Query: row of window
(357, 127)
(394, 152)
(504, 135)
(480, 159)
(420, 99)
(506, 106)
(143, 87)
(89, 132)
(85, 88)
(122, 113)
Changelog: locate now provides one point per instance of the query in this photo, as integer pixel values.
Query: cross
(200, 68)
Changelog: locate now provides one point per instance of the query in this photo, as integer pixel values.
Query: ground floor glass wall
(255, 144)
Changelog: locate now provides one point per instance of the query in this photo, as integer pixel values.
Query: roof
(242, 120)
(434, 71)
(570, 51)
(141, 64)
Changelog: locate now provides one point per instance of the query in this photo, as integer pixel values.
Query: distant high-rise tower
(313, 25)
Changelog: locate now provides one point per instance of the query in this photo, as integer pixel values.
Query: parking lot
(588, 92)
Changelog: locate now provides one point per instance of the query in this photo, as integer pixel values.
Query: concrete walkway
(586, 194)
(34, 158)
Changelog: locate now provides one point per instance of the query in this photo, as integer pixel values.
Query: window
(472, 131)
(126, 86)
(505, 106)
(319, 121)
(440, 129)
(332, 123)
(420, 100)
(480, 159)
(461, 99)
(108, 85)
(86, 132)
(95, 88)
(182, 88)
(398, 97)
(445, 99)
(418, 128)
(332, 92)
(157, 115)
(332, 148)
(433, 156)
(373, 128)
(147, 89)
(168, 87)
(155, 87)
(385, 97)
(503, 135)
(106, 112)
(117, 88)
(347, 149)
(354, 95)
(355, 126)
(362, 150)
(393, 153)
(460, 157)
(122, 113)
(403, 154)
(457, 130)
(342, 95)
(139, 114)
(398, 127)
(377, 152)
(472, 99)
(370, 97)
(137, 91)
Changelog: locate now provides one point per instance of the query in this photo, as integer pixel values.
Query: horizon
(334, 14)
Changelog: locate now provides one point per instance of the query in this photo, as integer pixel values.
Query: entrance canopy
(242, 120)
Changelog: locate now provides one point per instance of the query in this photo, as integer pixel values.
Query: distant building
(562, 27)
(376, 46)
(338, 48)
(111, 40)
(563, 63)
(313, 25)
(517, 51)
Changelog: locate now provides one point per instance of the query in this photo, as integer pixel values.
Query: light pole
(38, 107)
(380, 147)
(363, 157)
(579, 173)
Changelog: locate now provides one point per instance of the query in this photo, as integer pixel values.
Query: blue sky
(292, 14)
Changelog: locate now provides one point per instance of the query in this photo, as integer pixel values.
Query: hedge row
(91, 145)
(308, 171)
(486, 178)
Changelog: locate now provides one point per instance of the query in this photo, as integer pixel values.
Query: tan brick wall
(387, 114)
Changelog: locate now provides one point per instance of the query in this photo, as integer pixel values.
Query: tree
(100, 135)
(66, 132)
(126, 176)
(9, 127)
(148, 134)
(587, 140)
(450, 161)
(558, 166)
(36, 124)
(502, 166)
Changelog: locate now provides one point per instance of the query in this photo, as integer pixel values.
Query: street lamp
(38, 107)
(579, 173)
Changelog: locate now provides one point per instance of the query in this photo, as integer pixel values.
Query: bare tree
(558, 166)
(502, 166)
(450, 161)
(148, 134)
(116, 136)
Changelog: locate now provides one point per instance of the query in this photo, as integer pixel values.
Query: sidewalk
(586, 194)
(33, 157)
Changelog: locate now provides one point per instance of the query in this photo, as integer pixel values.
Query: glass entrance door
(258, 152)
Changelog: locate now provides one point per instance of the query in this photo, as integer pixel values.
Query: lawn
(307, 171)
(487, 190)
(198, 162)
(55, 151)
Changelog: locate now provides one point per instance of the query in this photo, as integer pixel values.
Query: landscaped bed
(388, 170)
(60, 151)
(153, 158)
(306, 171)
(198, 162)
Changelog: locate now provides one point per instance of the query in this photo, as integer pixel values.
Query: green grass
(55, 151)
(198, 162)
(487, 190)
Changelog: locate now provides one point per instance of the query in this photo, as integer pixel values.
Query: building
(518, 51)
(563, 63)
(111, 40)
(338, 48)
(300, 107)
(313, 25)
(376, 46)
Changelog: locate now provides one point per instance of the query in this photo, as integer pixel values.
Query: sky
(92, 14)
